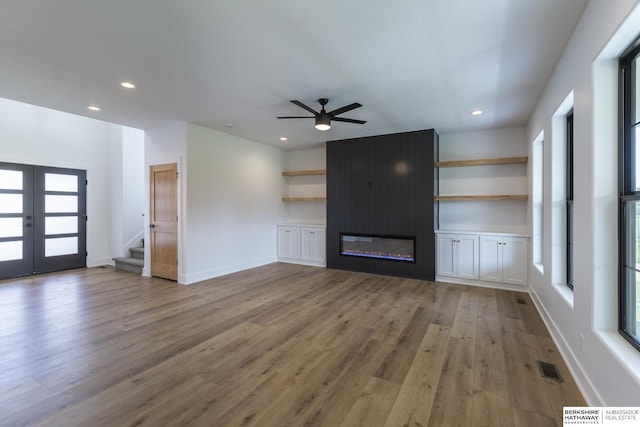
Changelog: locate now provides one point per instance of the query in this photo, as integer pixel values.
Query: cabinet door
(289, 242)
(313, 244)
(514, 260)
(446, 265)
(491, 258)
(467, 256)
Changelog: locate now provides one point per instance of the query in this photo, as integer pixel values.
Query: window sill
(539, 267)
(565, 293)
(626, 354)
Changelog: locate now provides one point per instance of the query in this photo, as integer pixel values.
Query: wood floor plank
(464, 324)
(453, 402)
(397, 363)
(524, 418)
(373, 405)
(490, 369)
(447, 306)
(491, 412)
(277, 345)
(414, 402)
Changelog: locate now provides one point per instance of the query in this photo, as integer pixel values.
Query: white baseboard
(190, 279)
(97, 262)
(303, 262)
(482, 284)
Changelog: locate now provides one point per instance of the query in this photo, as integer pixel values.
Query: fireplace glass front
(382, 247)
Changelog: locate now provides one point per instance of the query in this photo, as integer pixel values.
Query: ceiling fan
(323, 119)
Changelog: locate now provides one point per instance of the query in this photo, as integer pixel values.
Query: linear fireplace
(382, 187)
(394, 248)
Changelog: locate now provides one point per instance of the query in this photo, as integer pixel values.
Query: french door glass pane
(60, 225)
(10, 203)
(60, 182)
(10, 251)
(11, 227)
(60, 246)
(60, 204)
(10, 180)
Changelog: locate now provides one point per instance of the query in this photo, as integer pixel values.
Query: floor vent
(521, 301)
(549, 371)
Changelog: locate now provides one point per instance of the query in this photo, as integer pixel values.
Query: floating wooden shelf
(304, 199)
(485, 197)
(482, 162)
(305, 173)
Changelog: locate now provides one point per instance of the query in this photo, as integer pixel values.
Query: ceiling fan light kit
(323, 122)
(323, 118)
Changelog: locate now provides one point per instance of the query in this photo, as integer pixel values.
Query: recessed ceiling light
(283, 138)
(128, 85)
(477, 112)
(93, 108)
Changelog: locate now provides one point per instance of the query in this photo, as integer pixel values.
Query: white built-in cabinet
(313, 241)
(302, 244)
(503, 259)
(457, 255)
(288, 242)
(475, 258)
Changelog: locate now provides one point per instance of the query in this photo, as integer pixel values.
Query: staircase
(134, 262)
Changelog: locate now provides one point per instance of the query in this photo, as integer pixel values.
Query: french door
(42, 219)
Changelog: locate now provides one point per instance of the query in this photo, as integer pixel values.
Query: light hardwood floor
(279, 345)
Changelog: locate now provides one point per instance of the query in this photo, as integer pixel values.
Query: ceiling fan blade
(309, 109)
(296, 117)
(344, 109)
(342, 119)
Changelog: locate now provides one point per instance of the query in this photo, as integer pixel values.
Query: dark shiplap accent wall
(383, 185)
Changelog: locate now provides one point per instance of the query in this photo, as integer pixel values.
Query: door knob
(152, 226)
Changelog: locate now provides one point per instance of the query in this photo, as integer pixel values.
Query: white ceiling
(413, 64)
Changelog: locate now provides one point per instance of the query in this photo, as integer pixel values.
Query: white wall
(487, 216)
(234, 189)
(584, 323)
(133, 205)
(126, 196)
(306, 186)
(164, 145)
(40, 136)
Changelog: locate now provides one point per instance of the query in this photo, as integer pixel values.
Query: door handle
(152, 226)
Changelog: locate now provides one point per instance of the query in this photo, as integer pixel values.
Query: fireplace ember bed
(393, 248)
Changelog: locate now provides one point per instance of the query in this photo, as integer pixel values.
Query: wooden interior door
(163, 221)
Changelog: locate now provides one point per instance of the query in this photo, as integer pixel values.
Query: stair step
(131, 264)
(137, 253)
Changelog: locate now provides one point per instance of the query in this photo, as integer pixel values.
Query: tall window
(569, 199)
(629, 187)
(538, 202)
